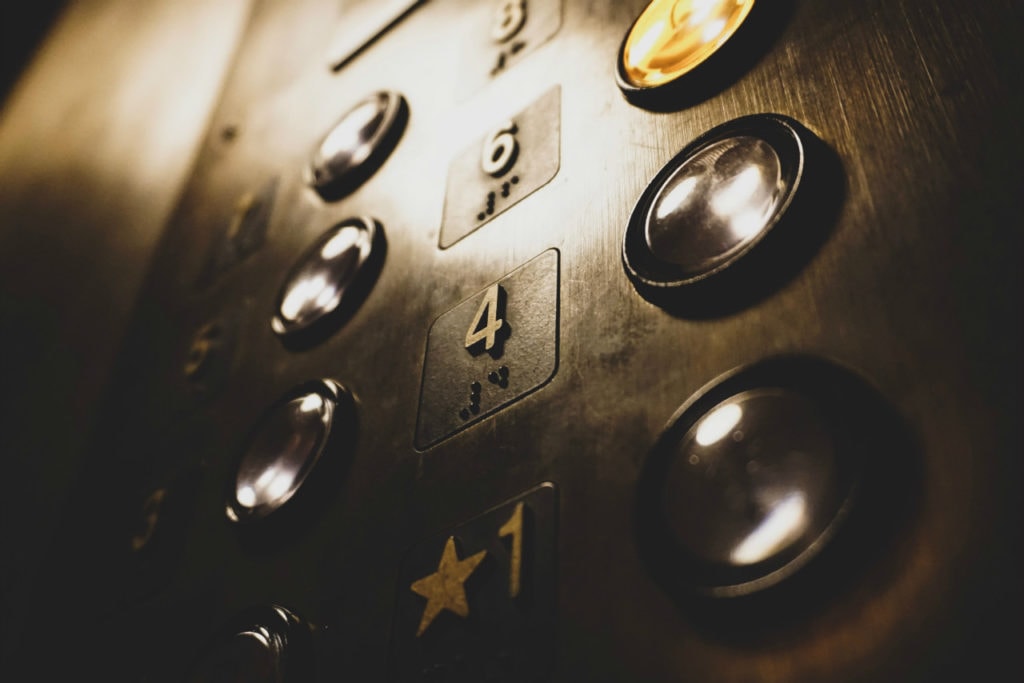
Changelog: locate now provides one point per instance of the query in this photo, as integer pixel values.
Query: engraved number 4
(487, 326)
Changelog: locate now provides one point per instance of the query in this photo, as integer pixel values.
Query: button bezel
(332, 184)
(329, 455)
(720, 69)
(655, 277)
(286, 638)
(867, 438)
(302, 334)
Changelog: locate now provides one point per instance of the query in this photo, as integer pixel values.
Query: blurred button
(752, 477)
(286, 446)
(357, 145)
(672, 37)
(268, 645)
(713, 202)
(148, 520)
(754, 480)
(208, 345)
(325, 281)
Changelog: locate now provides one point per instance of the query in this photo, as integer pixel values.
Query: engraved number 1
(514, 528)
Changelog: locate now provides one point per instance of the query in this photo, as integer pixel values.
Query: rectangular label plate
(464, 385)
(503, 33)
(474, 196)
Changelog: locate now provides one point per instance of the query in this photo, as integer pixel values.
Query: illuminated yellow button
(672, 37)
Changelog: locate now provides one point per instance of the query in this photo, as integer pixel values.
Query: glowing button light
(672, 37)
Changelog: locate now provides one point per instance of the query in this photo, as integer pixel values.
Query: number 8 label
(509, 20)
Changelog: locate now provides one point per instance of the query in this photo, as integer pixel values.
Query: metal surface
(243, 235)
(911, 282)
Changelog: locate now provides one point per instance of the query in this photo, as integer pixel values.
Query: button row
(753, 479)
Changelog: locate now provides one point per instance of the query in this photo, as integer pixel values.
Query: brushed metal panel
(914, 285)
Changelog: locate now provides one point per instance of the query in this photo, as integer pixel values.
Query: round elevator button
(357, 144)
(288, 444)
(714, 202)
(753, 480)
(753, 476)
(265, 645)
(671, 38)
(330, 279)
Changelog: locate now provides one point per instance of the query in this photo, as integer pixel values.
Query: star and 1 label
(478, 601)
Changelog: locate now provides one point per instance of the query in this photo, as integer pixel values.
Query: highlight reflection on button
(306, 427)
(672, 37)
(322, 282)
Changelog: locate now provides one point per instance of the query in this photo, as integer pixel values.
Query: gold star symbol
(445, 589)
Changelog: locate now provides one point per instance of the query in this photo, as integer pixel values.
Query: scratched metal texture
(914, 285)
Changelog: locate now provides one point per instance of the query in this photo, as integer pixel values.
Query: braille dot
(464, 414)
(514, 179)
(475, 408)
(490, 196)
(492, 378)
(480, 216)
(475, 387)
(503, 371)
(490, 210)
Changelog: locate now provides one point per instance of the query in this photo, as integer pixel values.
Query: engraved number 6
(500, 150)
